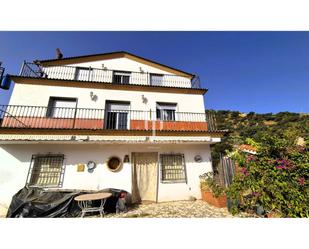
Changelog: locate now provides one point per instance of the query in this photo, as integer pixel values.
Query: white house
(113, 120)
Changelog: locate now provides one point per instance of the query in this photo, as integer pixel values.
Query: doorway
(144, 176)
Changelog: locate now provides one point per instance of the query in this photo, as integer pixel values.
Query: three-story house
(113, 120)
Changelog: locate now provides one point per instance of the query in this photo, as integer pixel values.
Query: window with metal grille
(46, 171)
(173, 168)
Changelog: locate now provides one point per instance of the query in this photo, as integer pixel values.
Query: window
(156, 79)
(61, 107)
(166, 111)
(116, 115)
(120, 77)
(46, 171)
(83, 73)
(173, 168)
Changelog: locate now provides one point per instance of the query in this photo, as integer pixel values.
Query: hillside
(255, 126)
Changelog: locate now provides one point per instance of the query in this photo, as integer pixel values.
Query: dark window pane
(169, 115)
(111, 120)
(122, 120)
(125, 79)
(166, 115)
(117, 79)
(158, 114)
(121, 78)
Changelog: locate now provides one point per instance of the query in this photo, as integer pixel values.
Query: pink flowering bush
(276, 179)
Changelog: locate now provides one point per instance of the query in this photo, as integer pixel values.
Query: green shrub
(276, 178)
(207, 183)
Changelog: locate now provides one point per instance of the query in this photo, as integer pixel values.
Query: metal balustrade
(88, 74)
(41, 117)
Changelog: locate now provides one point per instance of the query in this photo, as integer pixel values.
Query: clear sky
(246, 71)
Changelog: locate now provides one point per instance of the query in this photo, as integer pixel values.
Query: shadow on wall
(99, 153)
(83, 153)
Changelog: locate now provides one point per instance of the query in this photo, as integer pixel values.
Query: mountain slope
(255, 126)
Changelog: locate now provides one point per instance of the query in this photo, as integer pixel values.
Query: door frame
(158, 170)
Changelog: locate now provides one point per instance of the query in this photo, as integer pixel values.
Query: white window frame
(85, 76)
(53, 112)
(166, 106)
(126, 108)
(121, 74)
(154, 82)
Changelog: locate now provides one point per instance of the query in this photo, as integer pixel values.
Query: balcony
(39, 117)
(88, 74)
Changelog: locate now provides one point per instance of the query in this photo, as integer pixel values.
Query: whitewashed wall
(38, 95)
(15, 162)
(120, 64)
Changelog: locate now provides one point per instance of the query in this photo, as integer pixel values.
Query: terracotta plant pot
(219, 202)
(274, 215)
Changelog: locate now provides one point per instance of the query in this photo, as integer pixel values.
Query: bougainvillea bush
(275, 179)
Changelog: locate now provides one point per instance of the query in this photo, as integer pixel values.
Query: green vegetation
(255, 126)
(207, 183)
(276, 178)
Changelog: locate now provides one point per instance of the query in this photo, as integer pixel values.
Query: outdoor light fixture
(126, 159)
(93, 96)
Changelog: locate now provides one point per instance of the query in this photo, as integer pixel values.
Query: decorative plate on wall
(91, 165)
(80, 167)
(198, 159)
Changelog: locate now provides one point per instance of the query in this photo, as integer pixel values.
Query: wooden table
(85, 201)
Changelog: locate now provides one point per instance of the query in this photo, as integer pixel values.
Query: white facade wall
(121, 64)
(139, 71)
(38, 95)
(15, 162)
(15, 158)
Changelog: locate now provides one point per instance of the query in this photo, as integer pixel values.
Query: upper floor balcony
(119, 77)
(39, 117)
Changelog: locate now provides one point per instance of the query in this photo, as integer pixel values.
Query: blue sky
(246, 71)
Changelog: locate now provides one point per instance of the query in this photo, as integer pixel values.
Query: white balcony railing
(88, 74)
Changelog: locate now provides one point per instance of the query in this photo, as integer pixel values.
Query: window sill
(173, 181)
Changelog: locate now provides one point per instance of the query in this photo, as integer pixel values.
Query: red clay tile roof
(246, 147)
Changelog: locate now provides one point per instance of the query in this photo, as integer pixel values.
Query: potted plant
(211, 192)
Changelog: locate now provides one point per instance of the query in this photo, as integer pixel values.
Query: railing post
(74, 120)
(89, 73)
(22, 68)
(153, 124)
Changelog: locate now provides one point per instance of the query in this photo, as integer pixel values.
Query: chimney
(59, 54)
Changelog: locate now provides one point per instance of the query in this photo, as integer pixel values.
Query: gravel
(176, 209)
